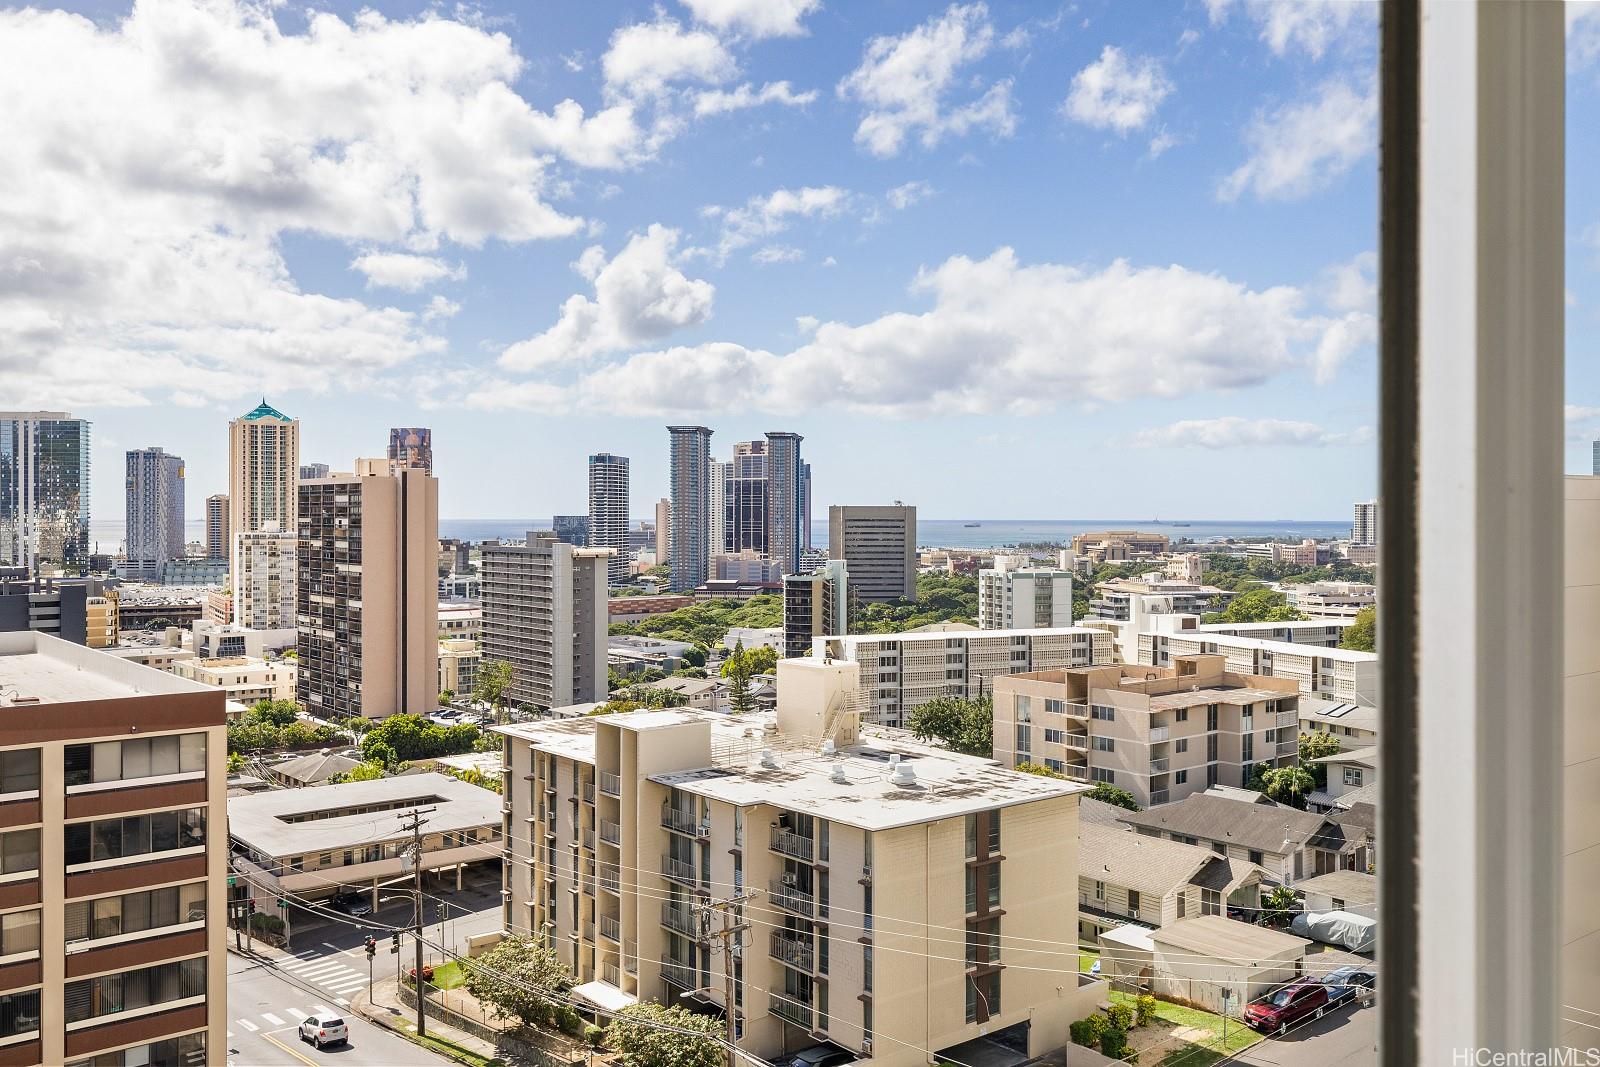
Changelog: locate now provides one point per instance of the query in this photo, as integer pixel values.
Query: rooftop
(1227, 939)
(265, 410)
(941, 635)
(262, 820)
(1361, 757)
(1331, 713)
(1263, 825)
(1151, 865)
(36, 668)
(1352, 887)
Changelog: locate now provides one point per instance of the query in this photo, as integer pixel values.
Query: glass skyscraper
(44, 490)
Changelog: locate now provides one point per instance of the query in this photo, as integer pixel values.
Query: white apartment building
(1013, 594)
(1335, 600)
(859, 851)
(1364, 531)
(544, 612)
(263, 578)
(244, 678)
(1331, 673)
(901, 672)
(460, 620)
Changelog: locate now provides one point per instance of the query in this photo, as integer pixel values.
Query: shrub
(569, 1021)
(1086, 1031)
(1120, 1014)
(593, 1035)
(1145, 1009)
(1113, 1042)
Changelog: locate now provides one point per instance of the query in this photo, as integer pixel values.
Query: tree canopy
(962, 725)
(493, 680)
(274, 724)
(411, 737)
(706, 622)
(516, 980)
(1287, 785)
(1107, 793)
(758, 659)
(940, 598)
(1362, 635)
(1256, 605)
(651, 1046)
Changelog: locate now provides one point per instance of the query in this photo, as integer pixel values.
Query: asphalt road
(1348, 1036)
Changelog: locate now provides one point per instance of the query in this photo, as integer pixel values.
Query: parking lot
(1346, 1035)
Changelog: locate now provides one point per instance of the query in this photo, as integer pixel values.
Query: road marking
(249, 1026)
(273, 1019)
(323, 969)
(296, 1014)
(341, 1001)
(335, 948)
(296, 1053)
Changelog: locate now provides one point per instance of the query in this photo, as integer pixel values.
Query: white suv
(323, 1030)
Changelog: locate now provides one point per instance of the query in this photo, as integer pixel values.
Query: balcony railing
(792, 899)
(609, 880)
(1077, 741)
(794, 951)
(683, 822)
(1159, 796)
(588, 792)
(610, 832)
(680, 871)
(681, 975)
(1159, 734)
(588, 839)
(610, 975)
(630, 957)
(1078, 772)
(1159, 765)
(679, 920)
(790, 1010)
(789, 843)
(610, 784)
(611, 929)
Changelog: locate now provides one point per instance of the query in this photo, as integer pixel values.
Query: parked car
(1286, 1006)
(1347, 983)
(820, 1056)
(323, 1029)
(355, 904)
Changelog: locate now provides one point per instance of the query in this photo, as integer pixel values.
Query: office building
(1113, 546)
(572, 529)
(748, 566)
(866, 848)
(544, 612)
(690, 473)
(1331, 673)
(455, 556)
(1160, 733)
(745, 499)
(815, 605)
(263, 578)
(152, 513)
(878, 544)
(54, 606)
(608, 512)
(44, 491)
(194, 572)
(309, 471)
(785, 500)
(263, 469)
(367, 593)
(411, 446)
(247, 680)
(1332, 600)
(116, 860)
(663, 530)
(1364, 531)
(901, 672)
(218, 546)
(1013, 595)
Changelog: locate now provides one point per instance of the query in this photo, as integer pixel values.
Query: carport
(1003, 1048)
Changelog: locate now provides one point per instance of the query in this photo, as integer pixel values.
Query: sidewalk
(384, 1009)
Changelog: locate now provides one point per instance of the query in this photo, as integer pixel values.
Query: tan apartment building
(113, 860)
(1331, 673)
(1107, 546)
(101, 618)
(458, 667)
(263, 470)
(853, 852)
(901, 672)
(243, 678)
(1161, 733)
(878, 544)
(218, 542)
(366, 592)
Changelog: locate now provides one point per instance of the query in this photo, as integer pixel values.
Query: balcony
(679, 919)
(610, 832)
(610, 784)
(789, 843)
(588, 840)
(683, 822)
(680, 871)
(789, 1010)
(681, 975)
(609, 880)
(1159, 796)
(1077, 741)
(1159, 734)
(792, 899)
(794, 951)
(610, 975)
(1159, 765)
(630, 957)
(588, 792)
(611, 929)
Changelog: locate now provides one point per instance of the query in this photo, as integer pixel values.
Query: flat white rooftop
(1277, 648)
(971, 633)
(37, 668)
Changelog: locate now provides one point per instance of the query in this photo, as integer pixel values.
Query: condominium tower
(263, 468)
(217, 526)
(815, 605)
(878, 544)
(1014, 595)
(1364, 531)
(152, 512)
(690, 473)
(663, 531)
(717, 530)
(745, 500)
(544, 612)
(785, 500)
(264, 578)
(44, 490)
(309, 471)
(367, 592)
(608, 511)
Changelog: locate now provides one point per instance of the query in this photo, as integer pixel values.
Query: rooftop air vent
(838, 777)
(769, 759)
(904, 775)
(828, 747)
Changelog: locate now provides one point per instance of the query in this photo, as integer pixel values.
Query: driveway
(1348, 1036)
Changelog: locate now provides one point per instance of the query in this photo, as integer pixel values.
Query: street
(1345, 1036)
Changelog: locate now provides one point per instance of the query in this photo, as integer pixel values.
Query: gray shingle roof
(1148, 864)
(314, 767)
(1263, 827)
(1352, 887)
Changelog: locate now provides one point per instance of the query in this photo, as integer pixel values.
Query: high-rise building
(544, 612)
(367, 592)
(573, 529)
(309, 471)
(153, 512)
(1013, 596)
(263, 579)
(1596, 459)
(878, 544)
(263, 467)
(1365, 529)
(785, 499)
(217, 526)
(44, 490)
(718, 528)
(411, 446)
(815, 605)
(690, 469)
(663, 531)
(608, 511)
(805, 507)
(746, 496)
(116, 890)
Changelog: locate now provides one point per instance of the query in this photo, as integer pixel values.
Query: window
(1211, 716)
(1055, 765)
(1105, 744)
(19, 851)
(1055, 707)
(1024, 706)
(1210, 902)
(146, 757)
(1102, 711)
(135, 835)
(1248, 751)
(1055, 737)
(1133, 902)
(987, 877)
(983, 997)
(19, 771)
(1102, 774)
(112, 994)
(1181, 777)
(1024, 738)
(1181, 745)
(1182, 715)
(19, 1013)
(1352, 776)
(130, 913)
(19, 932)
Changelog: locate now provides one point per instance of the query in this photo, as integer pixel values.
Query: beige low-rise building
(243, 678)
(1330, 673)
(851, 852)
(1355, 725)
(458, 667)
(1161, 733)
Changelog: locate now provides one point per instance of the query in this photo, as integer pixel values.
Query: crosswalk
(282, 1019)
(332, 972)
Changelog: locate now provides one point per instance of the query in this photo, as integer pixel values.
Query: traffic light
(394, 946)
(372, 946)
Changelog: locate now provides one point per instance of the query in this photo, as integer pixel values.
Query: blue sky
(1003, 260)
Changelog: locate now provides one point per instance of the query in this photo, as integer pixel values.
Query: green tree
(940, 598)
(517, 979)
(275, 712)
(494, 678)
(695, 657)
(445, 697)
(412, 737)
(1314, 745)
(736, 668)
(355, 726)
(235, 763)
(1362, 635)
(1040, 769)
(1256, 605)
(761, 659)
(962, 725)
(642, 1045)
(1287, 785)
(366, 772)
(1107, 793)
(1278, 905)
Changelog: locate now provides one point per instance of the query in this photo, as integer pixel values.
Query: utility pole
(731, 936)
(416, 817)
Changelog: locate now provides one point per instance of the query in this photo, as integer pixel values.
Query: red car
(1282, 1008)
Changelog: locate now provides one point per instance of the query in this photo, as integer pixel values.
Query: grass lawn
(448, 976)
(1086, 959)
(1240, 1036)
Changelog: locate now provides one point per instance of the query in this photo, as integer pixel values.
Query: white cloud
(1117, 92)
(1583, 33)
(1304, 145)
(722, 101)
(647, 57)
(1353, 286)
(1234, 432)
(1001, 336)
(903, 83)
(754, 18)
(777, 254)
(1160, 142)
(1581, 412)
(639, 297)
(1312, 26)
(913, 192)
(440, 307)
(401, 270)
(764, 216)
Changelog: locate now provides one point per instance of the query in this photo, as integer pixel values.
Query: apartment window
(113, 994)
(19, 932)
(1211, 716)
(983, 997)
(1024, 706)
(1055, 765)
(1211, 775)
(19, 771)
(1182, 715)
(1211, 748)
(1024, 738)
(135, 835)
(866, 968)
(1054, 706)
(1352, 776)
(1102, 774)
(1255, 855)
(1210, 902)
(1181, 777)
(1102, 711)
(146, 757)
(1133, 902)
(1105, 744)
(987, 878)
(19, 1013)
(1248, 748)
(1181, 745)
(19, 851)
(1055, 737)
(190, 1048)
